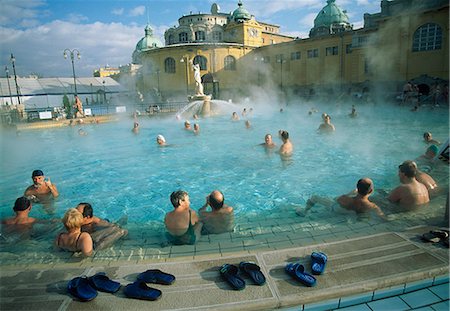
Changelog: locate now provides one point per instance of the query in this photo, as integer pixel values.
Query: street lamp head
(65, 54)
(78, 55)
(6, 70)
(13, 59)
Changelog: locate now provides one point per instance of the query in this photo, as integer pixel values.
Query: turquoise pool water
(121, 173)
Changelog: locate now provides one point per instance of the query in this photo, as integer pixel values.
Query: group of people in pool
(84, 231)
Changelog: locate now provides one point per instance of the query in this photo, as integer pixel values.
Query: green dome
(148, 42)
(331, 14)
(240, 13)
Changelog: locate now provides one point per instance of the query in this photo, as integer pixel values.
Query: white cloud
(266, 8)
(19, 11)
(40, 49)
(76, 18)
(137, 11)
(117, 11)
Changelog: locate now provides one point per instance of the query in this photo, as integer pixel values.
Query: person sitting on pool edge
(221, 217)
(74, 240)
(357, 200)
(182, 224)
(103, 233)
(42, 189)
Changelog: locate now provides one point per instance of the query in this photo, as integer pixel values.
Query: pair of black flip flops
(230, 273)
(85, 288)
(436, 236)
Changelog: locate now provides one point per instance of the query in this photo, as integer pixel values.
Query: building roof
(240, 13)
(148, 41)
(330, 14)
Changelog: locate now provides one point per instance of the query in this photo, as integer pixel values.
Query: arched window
(169, 65)
(171, 39)
(201, 60)
(200, 36)
(427, 37)
(230, 63)
(183, 37)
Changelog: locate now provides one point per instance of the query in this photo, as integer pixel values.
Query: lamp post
(185, 60)
(157, 77)
(72, 57)
(9, 86)
(92, 95)
(13, 61)
(104, 92)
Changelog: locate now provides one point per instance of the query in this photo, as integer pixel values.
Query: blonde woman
(74, 240)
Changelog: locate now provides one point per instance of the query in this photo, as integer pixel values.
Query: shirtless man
(187, 125)
(286, 148)
(196, 128)
(428, 138)
(161, 140)
(268, 142)
(42, 189)
(182, 223)
(103, 233)
(22, 208)
(326, 126)
(357, 200)
(425, 179)
(221, 217)
(410, 193)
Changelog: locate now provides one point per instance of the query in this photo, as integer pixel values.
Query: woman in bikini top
(74, 240)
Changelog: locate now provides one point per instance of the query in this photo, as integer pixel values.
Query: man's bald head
(216, 199)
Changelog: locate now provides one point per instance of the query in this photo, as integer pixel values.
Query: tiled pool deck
(373, 266)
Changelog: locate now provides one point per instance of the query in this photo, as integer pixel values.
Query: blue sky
(106, 31)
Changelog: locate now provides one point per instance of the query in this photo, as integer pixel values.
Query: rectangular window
(295, 55)
(313, 53)
(348, 48)
(332, 50)
(217, 36)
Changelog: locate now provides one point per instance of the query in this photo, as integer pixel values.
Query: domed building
(330, 20)
(148, 42)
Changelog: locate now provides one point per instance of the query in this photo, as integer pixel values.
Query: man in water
(286, 148)
(135, 128)
(42, 189)
(326, 126)
(221, 217)
(182, 224)
(425, 179)
(103, 233)
(410, 193)
(357, 200)
(196, 128)
(161, 140)
(268, 142)
(187, 125)
(22, 208)
(428, 138)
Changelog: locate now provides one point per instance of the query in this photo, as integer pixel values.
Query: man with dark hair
(182, 223)
(286, 148)
(22, 208)
(221, 217)
(411, 193)
(103, 233)
(357, 200)
(42, 188)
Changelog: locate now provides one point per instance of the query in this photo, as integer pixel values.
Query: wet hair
(426, 134)
(285, 135)
(364, 186)
(21, 204)
(37, 173)
(72, 219)
(88, 211)
(177, 196)
(408, 168)
(216, 204)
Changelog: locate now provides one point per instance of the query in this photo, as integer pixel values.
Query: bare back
(410, 195)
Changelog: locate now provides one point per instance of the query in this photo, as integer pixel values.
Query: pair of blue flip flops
(230, 273)
(140, 290)
(85, 288)
(297, 270)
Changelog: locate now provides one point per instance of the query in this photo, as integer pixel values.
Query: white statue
(198, 79)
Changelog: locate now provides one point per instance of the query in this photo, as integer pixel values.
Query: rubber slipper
(140, 290)
(253, 271)
(297, 271)
(103, 283)
(318, 262)
(80, 288)
(442, 234)
(430, 237)
(229, 274)
(156, 276)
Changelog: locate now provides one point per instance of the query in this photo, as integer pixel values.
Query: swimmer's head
(427, 136)
(72, 219)
(85, 209)
(284, 135)
(37, 173)
(408, 168)
(21, 204)
(216, 199)
(160, 139)
(364, 186)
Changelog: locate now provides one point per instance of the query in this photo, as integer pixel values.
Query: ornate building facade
(407, 40)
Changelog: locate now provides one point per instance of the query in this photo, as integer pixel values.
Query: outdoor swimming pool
(121, 173)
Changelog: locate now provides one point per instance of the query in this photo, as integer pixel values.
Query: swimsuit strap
(76, 243)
